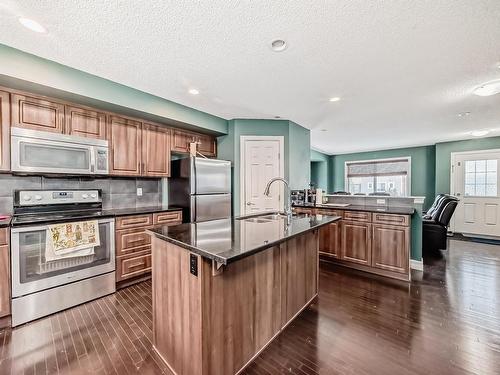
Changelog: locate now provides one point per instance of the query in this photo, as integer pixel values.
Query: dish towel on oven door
(69, 240)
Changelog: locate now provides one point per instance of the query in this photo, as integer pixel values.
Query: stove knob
(27, 198)
(93, 195)
(38, 197)
(85, 196)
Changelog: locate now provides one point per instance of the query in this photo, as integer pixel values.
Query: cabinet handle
(136, 264)
(136, 240)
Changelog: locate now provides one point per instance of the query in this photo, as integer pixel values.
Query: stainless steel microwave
(35, 151)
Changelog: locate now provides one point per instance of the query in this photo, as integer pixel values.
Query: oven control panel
(44, 197)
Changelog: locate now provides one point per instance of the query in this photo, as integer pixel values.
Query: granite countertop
(56, 217)
(137, 210)
(4, 221)
(354, 207)
(227, 240)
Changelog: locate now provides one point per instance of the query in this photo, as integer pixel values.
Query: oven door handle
(93, 152)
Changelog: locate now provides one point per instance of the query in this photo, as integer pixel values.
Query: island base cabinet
(215, 322)
(299, 278)
(329, 240)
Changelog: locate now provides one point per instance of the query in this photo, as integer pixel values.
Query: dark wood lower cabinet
(390, 248)
(329, 239)
(356, 242)
(133, 244)
(4, 274)
(372, 242)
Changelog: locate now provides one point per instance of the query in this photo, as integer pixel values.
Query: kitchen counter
(64, 216)
(224, 289)
(228, 240)
(354, 207)
(4, 221)
(137, 210)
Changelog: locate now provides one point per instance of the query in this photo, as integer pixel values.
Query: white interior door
(261, 161)
(476, 181)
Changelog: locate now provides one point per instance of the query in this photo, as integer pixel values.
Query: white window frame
(408, 181)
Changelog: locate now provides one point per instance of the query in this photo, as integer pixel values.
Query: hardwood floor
(445, 322)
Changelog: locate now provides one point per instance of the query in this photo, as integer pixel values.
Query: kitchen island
(224, 289)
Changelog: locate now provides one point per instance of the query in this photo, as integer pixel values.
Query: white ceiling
(404, 69)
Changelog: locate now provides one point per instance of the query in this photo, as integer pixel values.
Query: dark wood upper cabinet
(4, 131)
(391, 247)
(207, 145)
(85, 123)
(37, 114)
(125, 141)
(155, 151)
(181, 140)
(356, 242)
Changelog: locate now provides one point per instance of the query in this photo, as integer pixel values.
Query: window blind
(378, 168)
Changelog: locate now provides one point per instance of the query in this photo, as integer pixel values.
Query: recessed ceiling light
(488, 88)
(479, 133)
(463, 114)
(32, 25)
(278, 45)
(335, 99)
(193, 91)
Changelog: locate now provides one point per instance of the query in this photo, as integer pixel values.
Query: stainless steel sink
(276, 216)
(263, 217)
(256, 220)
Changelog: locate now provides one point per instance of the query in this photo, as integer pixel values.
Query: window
(481, 178)
(379, 176)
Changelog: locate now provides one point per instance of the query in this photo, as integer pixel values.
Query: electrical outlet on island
(139, 192)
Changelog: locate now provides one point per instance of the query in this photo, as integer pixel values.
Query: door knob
(250, 204)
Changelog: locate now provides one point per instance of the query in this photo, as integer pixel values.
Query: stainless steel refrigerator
(202, 187)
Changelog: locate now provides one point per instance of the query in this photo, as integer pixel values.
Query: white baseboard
(417, 265)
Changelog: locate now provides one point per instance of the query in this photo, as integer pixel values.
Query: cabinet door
(4, 273)
(181, 140)
(206, 145)
(329, 239)
(156, 151)
(391, 248)
(85, 123)
(133, 265)
(356, 242)
(37, 114)
(299, 273)
(125, 136)
(4, 131)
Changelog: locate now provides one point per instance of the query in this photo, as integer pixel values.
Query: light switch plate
(380, 201)
(139, 192)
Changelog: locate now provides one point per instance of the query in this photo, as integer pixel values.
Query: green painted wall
(24, 71)
(296, 144)
(299, 152)
(443, 157)
(320, 169)
(422, 168)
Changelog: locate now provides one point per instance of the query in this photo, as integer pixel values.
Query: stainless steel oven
(35, 151)
(42, 286)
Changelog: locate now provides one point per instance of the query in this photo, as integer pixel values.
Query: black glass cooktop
(54, 217)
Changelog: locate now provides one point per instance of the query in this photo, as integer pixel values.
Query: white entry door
(476, 182)
(261, 160)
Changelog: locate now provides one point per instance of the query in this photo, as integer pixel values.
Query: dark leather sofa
(435, 223)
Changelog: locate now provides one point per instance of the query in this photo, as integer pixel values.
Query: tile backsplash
(116, 192)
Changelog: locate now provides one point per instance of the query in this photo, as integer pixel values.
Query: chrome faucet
(288, 208)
